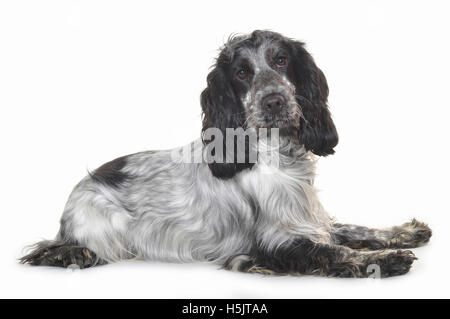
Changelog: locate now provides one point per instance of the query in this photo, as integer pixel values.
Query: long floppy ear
(317, 130)
(222, 110)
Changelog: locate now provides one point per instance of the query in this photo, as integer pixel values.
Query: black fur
(222, 110)
(110, 173)
(302, 256)
(317, 130)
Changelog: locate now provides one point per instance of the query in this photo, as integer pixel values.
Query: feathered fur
(255, 216)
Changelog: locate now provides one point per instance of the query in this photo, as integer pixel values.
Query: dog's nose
(273, 102)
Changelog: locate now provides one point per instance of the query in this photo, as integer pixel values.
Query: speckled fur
(409, 235)
(259, 217)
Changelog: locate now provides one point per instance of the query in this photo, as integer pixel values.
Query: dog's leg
(409, 235)
(305, 257)
(59, 254)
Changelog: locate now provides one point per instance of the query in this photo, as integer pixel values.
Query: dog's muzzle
(271, 102)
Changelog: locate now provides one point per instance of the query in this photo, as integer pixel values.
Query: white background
(82, 82)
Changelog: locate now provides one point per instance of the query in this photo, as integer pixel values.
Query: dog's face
(265, 80)
(262, 78)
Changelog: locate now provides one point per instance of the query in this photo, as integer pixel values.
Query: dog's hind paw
(50, 253)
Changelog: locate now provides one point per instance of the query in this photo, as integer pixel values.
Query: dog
(244, 214)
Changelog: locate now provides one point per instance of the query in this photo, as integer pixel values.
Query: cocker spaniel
(247, 202)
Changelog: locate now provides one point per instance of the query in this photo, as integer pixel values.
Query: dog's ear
(221, 110)
(317, 131)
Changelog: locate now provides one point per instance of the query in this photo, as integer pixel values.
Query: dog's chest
(286, 199)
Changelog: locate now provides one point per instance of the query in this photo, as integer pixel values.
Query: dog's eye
(281, 61)
(242, 74)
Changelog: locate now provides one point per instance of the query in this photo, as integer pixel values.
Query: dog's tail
(60, 254)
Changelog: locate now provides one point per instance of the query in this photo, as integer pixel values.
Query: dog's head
(265, 80)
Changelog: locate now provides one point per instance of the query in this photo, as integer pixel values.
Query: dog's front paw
(390, 263)
(410, 235)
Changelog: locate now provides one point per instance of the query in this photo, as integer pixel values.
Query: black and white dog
(245, 215)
